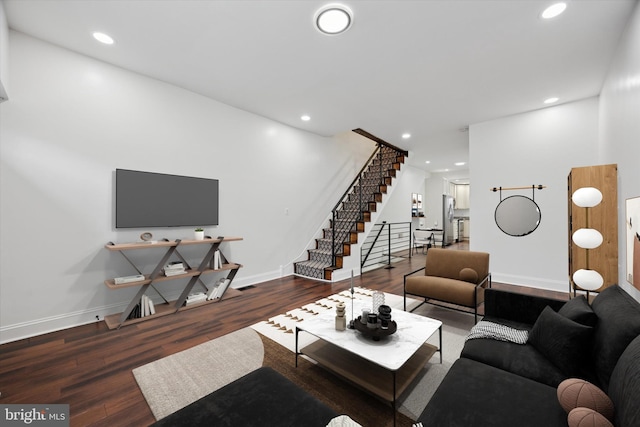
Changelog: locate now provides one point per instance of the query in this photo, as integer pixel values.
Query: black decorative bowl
(376, 333)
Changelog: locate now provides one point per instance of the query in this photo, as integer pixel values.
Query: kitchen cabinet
(462, 196)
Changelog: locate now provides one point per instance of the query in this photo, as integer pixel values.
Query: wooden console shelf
(193, 273)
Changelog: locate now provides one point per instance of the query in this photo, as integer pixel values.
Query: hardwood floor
(89, 367)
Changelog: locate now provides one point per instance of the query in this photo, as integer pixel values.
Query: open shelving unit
(115, 321)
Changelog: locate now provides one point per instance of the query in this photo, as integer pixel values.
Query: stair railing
(386, 242)
(334, 212)
(358, 180)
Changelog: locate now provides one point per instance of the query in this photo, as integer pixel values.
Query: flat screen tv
(148, 199)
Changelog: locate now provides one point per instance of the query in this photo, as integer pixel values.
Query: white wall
(71, 121)
(398, 207)
(538, 147)
(4, 52)
(620, 128)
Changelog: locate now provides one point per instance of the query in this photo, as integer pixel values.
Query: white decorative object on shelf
(199, 234)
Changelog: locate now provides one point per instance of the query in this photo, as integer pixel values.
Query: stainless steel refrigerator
(447, 219)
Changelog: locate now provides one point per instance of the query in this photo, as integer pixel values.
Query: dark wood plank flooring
(89, 367)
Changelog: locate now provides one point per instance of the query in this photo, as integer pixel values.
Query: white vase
(199, 235)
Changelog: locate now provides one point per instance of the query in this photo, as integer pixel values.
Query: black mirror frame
(524, 233)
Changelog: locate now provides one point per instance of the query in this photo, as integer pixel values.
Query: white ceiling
(426, 67)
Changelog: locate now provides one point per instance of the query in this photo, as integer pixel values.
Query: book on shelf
(211, 292)
(143, 309)
(175, 264)
(195, 298)
(173, 269)
(147, 306)
(152, 307)
(169, 273)
(217, 261)
(218, 289)
(135, 313)
(223, 288)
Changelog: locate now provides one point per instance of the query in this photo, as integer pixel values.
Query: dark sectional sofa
(493, 383)
(501, 383)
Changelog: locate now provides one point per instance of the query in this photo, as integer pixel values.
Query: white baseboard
(62, 321)
(46, 325)
(532, 282)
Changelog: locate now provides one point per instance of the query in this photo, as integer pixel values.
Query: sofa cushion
(523, 360)
(468, 275)
(443, 289)
(260, 398)
(343, 421)
(624, 387)
(473, 394)
(564, 342)
(448, 263)
(587, 417)
(579, 310)
(504, 306)
(618, 324)
(575, 393)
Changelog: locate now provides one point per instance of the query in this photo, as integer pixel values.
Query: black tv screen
(147, 199)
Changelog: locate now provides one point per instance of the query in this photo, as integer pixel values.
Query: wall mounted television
(149, 199)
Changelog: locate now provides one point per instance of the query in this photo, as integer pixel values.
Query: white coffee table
(384, 368)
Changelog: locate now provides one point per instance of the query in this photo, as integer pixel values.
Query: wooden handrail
(381, 141)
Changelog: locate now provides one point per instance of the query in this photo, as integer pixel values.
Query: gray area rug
(173, 382)
(455, 327)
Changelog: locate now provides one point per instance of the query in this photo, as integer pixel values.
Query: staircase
(353, 211)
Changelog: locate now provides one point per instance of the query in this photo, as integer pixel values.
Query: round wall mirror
(517, 215)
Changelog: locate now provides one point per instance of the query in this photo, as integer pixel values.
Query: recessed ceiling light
(428, 161)
(103, 38)
(554, 10)
(406, 135)
(333, 19)
(305, 118)
(460, 163)
(551, 100)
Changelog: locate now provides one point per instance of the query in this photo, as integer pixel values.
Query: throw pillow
(564, 342)
(343, 421)
(469, 275)
(585, 417)
(579, 310)
(574, 393)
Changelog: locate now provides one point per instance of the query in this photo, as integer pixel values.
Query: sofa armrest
(486, 282)
(516, 306)
(413, 272)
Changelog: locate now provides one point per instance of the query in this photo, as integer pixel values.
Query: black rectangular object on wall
(148, 199)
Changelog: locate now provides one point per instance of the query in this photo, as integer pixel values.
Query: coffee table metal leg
(297, 331)
(393, 404)
(440, 349)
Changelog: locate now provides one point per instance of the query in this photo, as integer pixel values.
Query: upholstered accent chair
(451, 276)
